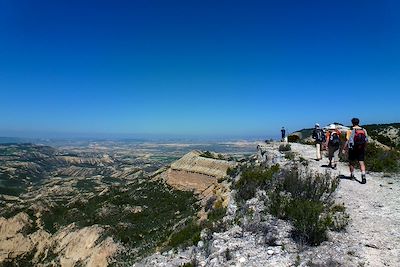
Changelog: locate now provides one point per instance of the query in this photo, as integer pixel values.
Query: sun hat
(332, 127)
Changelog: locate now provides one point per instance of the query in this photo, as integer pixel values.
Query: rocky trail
(374, 229)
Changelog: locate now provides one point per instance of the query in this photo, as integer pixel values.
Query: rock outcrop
(201, 175)
(68, 247)
(197, 173)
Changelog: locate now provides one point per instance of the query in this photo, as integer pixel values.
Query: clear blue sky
(196, 67)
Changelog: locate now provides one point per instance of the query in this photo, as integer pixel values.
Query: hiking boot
(363, 180)
(334, 167)
(352, 177)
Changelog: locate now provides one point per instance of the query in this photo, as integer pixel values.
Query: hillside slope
(252, 237)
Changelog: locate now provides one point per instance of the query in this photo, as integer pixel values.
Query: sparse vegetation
(293, 138)
(378, 159)
(376, 130)
(284, 148)
(305, 198)
(209, 155)
(290, 155)
(253, 178)
(232, 171)
(216, 213)
(188, 235)
(303, 161)
(140, 216)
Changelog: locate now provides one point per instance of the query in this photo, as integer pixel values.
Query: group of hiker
(354, 145)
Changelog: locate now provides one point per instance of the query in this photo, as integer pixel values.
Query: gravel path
(374, 210)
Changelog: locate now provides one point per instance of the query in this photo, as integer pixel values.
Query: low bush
(305, 198)
(186, 236)
(284, 148)
(253, 178)
(310, 226)
(303, 161)
(293, 138)
(308, 185)
(290, 155)
(207, 154)
(210, 203)
(217, 213)
(307, 142)
(385, 140)
(232, 171)
(378, 159)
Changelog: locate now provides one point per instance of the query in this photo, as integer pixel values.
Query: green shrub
(216, 214)
(303, 161)
(278, 201)
(339, 217)
(186, 236)
(253, 178)
(232, 171)
(290, 156)
(284, 148)
(385, 140)
(378, 159)
(305, 199)
(293, 138)
(307, 142)
(208, 154)
(310, 226)
(308, 185)
(188, 264)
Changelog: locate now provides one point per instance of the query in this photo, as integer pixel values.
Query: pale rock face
(71, 245)
(81, 245)
(193, 172)
(12, 241)
(200, 175)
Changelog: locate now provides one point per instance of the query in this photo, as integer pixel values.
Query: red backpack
(360, 138)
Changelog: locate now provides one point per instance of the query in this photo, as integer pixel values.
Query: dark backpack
(319, 135)
(360, 138)
(334, 139)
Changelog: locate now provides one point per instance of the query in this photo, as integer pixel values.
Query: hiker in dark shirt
(283, 134)
(319, 136)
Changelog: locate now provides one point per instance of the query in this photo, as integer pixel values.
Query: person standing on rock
(283, 134)
(319, 136)
(356, 141)
(333, 145)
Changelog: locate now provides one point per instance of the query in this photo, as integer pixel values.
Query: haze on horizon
(195, 68)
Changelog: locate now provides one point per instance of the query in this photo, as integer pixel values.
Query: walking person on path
(356, 141)
(333, 145)
(283, 134)
(319, 136)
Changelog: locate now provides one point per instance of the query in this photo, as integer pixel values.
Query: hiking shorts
(333, 152)
(357, 154)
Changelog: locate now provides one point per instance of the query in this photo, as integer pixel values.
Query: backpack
(360, 138)
(319, 135)
(334, 139)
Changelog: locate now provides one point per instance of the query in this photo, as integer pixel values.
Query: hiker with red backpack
(333, 145)
(357, 139)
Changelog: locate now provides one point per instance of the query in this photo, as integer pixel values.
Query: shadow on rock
(344, 177)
